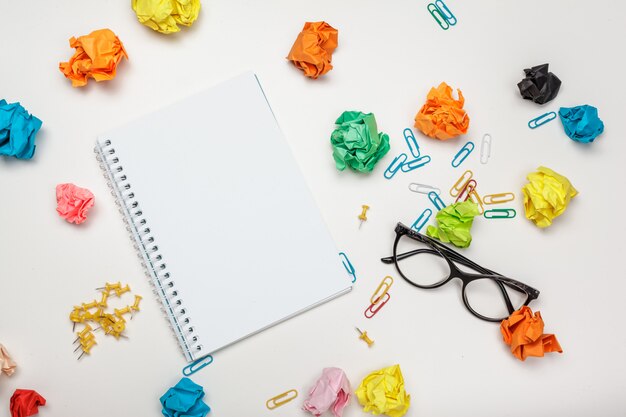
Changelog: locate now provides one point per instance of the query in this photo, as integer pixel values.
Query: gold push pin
(363, 215)
(364, 337)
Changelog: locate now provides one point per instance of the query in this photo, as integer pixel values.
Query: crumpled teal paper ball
(357, 143)
(184, 400)
(581, 123)
(17, 131)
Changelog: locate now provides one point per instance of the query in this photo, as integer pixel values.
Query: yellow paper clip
(363, 215)
(473, 195)
(498, 198)
(281, 399)
(382, 289)
(461, 183)
(364, 337)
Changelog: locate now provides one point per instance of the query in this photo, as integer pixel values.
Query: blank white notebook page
(228, 207)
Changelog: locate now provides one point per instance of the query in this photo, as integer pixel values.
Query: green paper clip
(499, 214)
(438, 16)
(196, 365)
(348, 265)
(436, 200)
(462, 154)
(422, 220)
(542, 120)
(447, 14)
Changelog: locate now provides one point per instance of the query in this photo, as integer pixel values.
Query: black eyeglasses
(486, 294)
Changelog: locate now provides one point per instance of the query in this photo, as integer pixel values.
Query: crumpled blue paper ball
(17, 131)
(184, 400)
(581, 123)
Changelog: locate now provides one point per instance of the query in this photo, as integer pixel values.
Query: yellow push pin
(135, 307)
(364, 337)
(363, 215)
(103, 300)
(122, 290)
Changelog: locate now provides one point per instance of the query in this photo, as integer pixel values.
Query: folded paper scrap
(164, 16)
(442, 117)
(18, 130)
(7, 365)
(97, 56)
(454, 223)
(356, 142)
(546, 196)
(382, 392)
(523, 332)
(25, 402)
(313, 49)
(581, 123)
(73, 202)
(539, 85)
(331, 392)
(184, 399)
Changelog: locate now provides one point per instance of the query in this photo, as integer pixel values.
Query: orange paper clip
(281, 399)
(498, 198)
(382, 289)
(465, 193)
(375, 307)
(461, 183)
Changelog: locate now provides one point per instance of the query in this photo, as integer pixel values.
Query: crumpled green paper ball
(454, 224)
(357, 143)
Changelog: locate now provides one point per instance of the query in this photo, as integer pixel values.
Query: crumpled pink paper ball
(73, 202)
(330, 392)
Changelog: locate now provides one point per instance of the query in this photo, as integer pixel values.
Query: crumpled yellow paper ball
(165, 15)
(382, 392)
(546, 196)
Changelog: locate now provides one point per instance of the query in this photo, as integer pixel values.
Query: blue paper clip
(348, 265)
(395, 166)
(422, 220)
(438, 16)
(436, 200)
(196, 365)
(416, 163)
(412, 142)
(462, 154)
(447, 14)
(542, 120)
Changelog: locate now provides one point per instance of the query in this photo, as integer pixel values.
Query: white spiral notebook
(227, 229)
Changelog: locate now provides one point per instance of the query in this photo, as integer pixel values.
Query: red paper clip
(381, 302)
(466, 191)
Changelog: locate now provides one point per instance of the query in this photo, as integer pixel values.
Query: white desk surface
(389, 55)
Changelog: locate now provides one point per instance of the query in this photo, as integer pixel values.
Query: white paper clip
(485, 148)
(423, 188)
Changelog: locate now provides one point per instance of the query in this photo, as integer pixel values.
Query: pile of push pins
(112, 323)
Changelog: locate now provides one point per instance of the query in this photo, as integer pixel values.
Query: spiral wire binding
(163, 285)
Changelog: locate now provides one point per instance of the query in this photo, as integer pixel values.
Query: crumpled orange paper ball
(73, 202)
(442, 117)
(97, 56)
(312, 51)
(523, 331)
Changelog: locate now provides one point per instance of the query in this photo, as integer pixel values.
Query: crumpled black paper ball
(539, 85)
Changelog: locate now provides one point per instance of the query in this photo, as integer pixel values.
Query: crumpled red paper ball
(313, 49)
(523, 331)
(25, 402)
(442, 117)
(73, 202)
